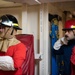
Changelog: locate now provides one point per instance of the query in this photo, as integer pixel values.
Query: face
(5, 32)
(69, 34)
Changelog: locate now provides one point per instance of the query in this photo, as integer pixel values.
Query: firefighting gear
(66, 51)
(5, 43)
(73, 61)
(73, 56)
(9, 21)
(8, 24)
(7, 35)
(70, 24)
(18, 54)
(10, 46)
(6, 63)
(59, 43)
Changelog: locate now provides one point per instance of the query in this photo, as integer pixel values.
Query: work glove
(6, 63)
(59, 43)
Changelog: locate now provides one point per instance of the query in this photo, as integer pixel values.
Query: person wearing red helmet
(12, 51)
(65, 46)
(69, 29)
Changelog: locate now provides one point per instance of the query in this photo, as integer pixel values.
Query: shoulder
(20, 45)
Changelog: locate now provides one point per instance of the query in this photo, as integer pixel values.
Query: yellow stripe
(72, 26)
(15, 24)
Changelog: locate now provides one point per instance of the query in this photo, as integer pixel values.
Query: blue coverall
(66, 51)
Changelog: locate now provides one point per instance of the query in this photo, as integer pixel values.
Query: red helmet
(70, 24)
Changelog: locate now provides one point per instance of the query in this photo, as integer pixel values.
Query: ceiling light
(38, 1)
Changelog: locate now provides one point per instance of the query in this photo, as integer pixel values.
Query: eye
(66, 31)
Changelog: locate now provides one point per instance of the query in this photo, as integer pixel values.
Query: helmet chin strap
(12, 32)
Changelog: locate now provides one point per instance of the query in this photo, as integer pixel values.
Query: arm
(59, 45)
(59, 51)
(6, 63)
(73, 56)
(19, 55)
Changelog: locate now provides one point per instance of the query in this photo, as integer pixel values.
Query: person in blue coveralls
(64, 45)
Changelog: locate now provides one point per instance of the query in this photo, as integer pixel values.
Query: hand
(60, 42)
(64, 41)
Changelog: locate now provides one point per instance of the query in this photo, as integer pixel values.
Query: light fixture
(38, 1)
